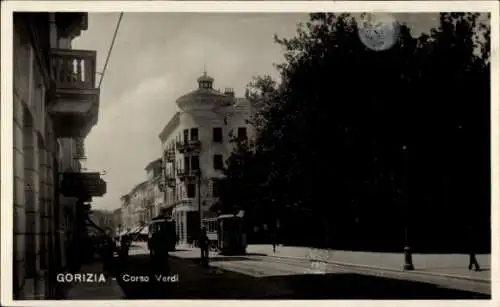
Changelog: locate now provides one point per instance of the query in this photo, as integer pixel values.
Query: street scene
(251, 156)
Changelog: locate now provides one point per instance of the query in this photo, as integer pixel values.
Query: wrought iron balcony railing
(188, 146)
(170, 156)
(170, 180)
(187, 174)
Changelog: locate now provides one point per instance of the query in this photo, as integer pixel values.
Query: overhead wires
(110, 49)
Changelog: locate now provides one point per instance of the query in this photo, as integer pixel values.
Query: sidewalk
(93, 289)
(447, 265)
(444, 265)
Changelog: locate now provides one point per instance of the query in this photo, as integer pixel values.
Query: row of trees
(352, 144)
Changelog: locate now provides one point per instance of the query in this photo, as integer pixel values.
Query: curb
(475, 279)
(346, 264)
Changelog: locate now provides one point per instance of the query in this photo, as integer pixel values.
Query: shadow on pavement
(194, 282)
(484, 269)
(255, 254)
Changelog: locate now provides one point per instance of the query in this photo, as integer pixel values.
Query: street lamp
(408, 265)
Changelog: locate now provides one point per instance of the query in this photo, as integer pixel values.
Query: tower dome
(205, 81)
(204, 97)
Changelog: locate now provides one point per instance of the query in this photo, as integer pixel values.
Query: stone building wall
(34, 152)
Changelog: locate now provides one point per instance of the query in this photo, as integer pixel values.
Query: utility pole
(408, 265)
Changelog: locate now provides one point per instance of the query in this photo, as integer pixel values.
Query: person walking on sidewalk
(108, 250)
(159, 252)
(274, 239)
(204, 243)
(123, 252)
(472, 249)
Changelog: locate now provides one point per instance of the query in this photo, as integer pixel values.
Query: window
(215, 188)
(186, 164)
(186, 135)
(194, 134)
(217, 134)
(191, 190)
(218, 163)
(195, 163)
(242, 133)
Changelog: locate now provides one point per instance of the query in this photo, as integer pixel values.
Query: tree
(335, 134)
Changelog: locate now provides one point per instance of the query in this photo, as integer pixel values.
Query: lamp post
(408, 265)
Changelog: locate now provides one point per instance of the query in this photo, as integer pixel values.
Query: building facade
(55, 104)
(126, 212)
(138, 202)
(145, 200)
(195, 145)
(154, 195)
(117, 221)
(103, 219)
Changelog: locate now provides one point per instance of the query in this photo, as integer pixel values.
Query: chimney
(229, 92)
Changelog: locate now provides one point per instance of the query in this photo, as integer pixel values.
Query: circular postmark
(378, 31)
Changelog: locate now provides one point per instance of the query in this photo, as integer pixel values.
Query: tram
(164, 227)
(226, 234)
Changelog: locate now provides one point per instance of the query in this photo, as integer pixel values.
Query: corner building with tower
(196, 143)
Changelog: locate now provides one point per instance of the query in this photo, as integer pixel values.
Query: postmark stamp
(378, 31)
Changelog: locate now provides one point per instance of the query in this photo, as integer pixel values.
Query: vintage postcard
(328, 150)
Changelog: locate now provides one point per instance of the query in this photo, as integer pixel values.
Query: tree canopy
(354, 136)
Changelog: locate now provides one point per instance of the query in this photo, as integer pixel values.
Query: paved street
(263, 277)
(436, 264)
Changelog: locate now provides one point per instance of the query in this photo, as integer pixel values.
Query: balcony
(171, 182)
(74, 105)
(170, 156)
(187, 174)
(188, 146)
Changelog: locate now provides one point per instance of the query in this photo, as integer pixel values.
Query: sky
(157, 58)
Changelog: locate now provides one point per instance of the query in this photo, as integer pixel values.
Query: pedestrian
(160, 242)
(108, 250)
(472, 249)
(204, 244)
(123, 252)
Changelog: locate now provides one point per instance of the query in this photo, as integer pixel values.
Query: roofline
(170, 126)
(150, 164)
(137, 186)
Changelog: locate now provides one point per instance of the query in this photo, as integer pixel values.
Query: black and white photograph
(253, 154)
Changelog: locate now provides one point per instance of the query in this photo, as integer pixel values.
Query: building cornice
(152, 164)
(169, 128)
(137, 187)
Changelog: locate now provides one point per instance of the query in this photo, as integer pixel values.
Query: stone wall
(34, 153)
